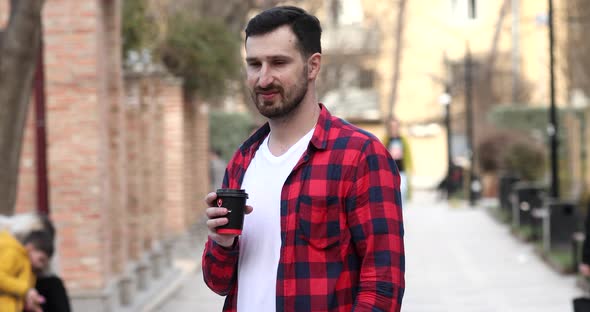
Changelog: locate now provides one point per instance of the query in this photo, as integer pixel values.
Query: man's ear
(314, 63)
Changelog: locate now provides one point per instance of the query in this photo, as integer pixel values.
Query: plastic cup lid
(232, 193)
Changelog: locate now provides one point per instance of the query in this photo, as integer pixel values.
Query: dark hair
(306, 27)
(41, 240)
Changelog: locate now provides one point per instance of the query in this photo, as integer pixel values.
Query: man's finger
(213, 223)
(214, 212)
(210, 198)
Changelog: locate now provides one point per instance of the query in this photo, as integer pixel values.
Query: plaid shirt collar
(319, 139)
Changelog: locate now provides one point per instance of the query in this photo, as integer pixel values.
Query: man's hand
(584, 269)
(33, 301)
(215, 218)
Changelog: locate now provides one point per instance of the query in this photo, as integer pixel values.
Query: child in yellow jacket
(19, 259)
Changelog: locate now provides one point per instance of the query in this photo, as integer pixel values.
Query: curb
(185, 268)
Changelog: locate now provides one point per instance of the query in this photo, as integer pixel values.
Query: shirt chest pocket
(319, 223)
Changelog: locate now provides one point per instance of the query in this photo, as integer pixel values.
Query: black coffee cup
(234, 200)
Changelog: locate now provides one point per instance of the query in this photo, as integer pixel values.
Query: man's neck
(285, 132)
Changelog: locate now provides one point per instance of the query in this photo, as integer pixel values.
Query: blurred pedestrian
(52, 288)
(399, 148)
(25, 246)
(324, 228)
(38, 229)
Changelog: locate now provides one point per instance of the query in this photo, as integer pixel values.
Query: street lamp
(552, 129)
(445, 100)
(474, 184)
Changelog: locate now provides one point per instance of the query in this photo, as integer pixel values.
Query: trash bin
(527, 198)
(505, 184)
(563, 223)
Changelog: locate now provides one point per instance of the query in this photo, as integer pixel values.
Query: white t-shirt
(260, 242)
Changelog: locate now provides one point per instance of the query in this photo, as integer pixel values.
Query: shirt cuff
(221, 252)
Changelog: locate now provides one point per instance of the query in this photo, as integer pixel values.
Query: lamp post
(474, 184)
(552, 129)
(445, 100)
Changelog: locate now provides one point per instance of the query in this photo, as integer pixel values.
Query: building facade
(405, 62)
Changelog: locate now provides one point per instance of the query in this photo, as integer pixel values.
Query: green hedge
(227, 131)
(531, 119)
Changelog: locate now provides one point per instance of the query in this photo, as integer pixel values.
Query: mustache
(268, 88)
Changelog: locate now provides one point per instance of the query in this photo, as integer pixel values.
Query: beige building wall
(431, 30)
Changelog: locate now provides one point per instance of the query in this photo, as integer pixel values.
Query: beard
(287, 102)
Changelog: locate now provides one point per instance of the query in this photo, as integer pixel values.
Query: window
(345, 12)
(472, 9)
(366, 79)
(464, 9)
(348, 76)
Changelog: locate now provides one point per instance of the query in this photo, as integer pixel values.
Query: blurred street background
(117, 117)
(458, 259)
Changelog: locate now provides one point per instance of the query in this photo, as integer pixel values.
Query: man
(400, 152)
(324, 228)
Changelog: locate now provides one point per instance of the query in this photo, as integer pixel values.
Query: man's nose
(266, 77)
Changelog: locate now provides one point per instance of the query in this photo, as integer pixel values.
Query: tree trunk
(18, 58)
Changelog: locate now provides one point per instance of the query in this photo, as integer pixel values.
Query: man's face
(277, 73)
(39, 259)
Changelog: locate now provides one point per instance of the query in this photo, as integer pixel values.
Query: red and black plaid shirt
(341, 226)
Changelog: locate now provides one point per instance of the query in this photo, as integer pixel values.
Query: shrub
(513, 152)
(203, 52)
(490, 151)
(227, 131)
(526, 159)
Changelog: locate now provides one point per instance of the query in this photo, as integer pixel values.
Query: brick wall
(79, 153)
(127, 160)
(196, 153)
(175, 159)
(132, 111)
(27, 179)
(201, 160)
(160, 153)
(159, 158)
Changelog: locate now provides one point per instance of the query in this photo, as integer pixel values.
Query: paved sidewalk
(458, 259)
(192, 294)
